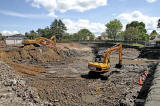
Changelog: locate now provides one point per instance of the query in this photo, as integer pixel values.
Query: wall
(13, 42)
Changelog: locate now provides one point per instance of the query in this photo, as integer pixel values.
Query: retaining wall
(153, 98)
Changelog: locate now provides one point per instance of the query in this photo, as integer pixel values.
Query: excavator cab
(98, 58)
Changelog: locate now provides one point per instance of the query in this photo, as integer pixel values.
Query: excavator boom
(41, 41)
(110, 50)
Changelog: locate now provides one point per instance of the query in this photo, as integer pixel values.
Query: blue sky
(20, 16)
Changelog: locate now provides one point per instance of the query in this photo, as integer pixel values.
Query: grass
(136, 44)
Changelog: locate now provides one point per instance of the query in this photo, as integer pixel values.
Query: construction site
(79, 53)
(59, 75)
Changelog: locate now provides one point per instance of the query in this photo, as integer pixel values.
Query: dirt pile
(42, 55)
(26, 61)
(29, 60)
(37, 55)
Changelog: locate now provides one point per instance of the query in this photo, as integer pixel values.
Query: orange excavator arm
(110, 50)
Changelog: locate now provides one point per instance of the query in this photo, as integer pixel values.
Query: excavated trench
(143, 93)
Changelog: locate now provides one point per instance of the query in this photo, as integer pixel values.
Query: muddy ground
(62, 77)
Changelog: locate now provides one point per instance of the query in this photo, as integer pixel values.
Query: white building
(15, 39)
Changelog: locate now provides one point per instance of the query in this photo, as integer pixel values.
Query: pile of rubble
(14, 91)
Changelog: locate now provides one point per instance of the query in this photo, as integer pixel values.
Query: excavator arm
(110, 50)
(41, 41)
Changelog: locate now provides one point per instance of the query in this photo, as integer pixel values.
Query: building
(15, 39)
(154, 41)
(102, 38)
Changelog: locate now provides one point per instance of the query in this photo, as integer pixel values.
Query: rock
(14, 90)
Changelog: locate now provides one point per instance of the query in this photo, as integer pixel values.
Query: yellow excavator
(100, 66)
(41, 41)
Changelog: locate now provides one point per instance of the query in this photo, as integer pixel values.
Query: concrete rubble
(14, 91)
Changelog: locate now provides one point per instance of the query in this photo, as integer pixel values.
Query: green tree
(83, 33)
(140, 26)
(75, 36)
(58, 28)
(104, 34)
(32, 34)
(67, 36)
(131, 34)
(2, 37)
(121, 35)
(46, 32)
(113, 29)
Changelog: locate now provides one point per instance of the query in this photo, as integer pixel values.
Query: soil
(61, 77)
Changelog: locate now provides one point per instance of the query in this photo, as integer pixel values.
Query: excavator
(41, 41)
(100, 66)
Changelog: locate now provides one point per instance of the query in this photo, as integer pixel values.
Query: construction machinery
(41, 41)
(102, 65)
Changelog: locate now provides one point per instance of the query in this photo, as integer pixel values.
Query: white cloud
(151, 1)
(65, 5)
(75, 26)
(150, 22)
(11, 13)
(9, 33)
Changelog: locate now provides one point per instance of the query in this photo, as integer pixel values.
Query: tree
(44, 32)
(140, 26)
(83, 33)
(32, 34)
(113, 29)
(2, 37)
(67, 36)
(58, 28)
(104, 34)
(131, 34)
(121, 35)
(75, 36)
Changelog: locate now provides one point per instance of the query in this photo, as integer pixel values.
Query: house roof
(155, 38)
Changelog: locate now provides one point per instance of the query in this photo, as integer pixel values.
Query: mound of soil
(29, 60)
(33, 56)
(26, 60)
